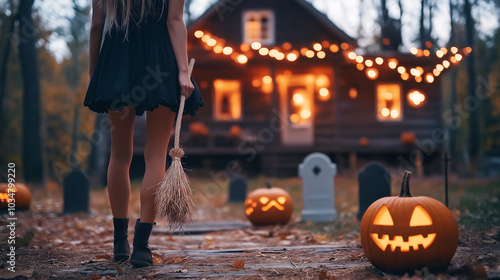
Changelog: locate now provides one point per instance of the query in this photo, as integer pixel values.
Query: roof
(321, 17)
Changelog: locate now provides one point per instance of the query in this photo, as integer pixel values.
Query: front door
(297, 106)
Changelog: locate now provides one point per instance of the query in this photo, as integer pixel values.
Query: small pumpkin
(269, 206)
(408, 138)
(403, 233)
(363, 141)
(198, 129)
(22, 196)
(235, 131)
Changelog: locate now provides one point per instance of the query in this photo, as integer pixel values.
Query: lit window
(227, 100)
(389, 102)
(258, 27)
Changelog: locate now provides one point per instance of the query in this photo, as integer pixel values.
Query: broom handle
(181, 109)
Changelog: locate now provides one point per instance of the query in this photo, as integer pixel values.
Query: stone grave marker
(237, 189)
(374, 183)
(76, 192)
(317, 172)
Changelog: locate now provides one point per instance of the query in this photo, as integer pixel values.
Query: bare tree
(471, 74)
(32, 146)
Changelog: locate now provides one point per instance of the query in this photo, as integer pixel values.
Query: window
(389, 102)
(258, 27)
(227, 100)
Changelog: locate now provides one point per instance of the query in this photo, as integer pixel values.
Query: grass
(475, 203)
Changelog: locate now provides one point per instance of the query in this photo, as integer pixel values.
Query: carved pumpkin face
(22, 196)
(403, 232)
(268, 206)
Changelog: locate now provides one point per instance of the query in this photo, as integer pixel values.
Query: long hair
(119, 13)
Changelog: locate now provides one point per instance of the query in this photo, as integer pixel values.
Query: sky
(344, 13)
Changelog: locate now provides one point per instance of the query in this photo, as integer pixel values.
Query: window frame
(271, 25)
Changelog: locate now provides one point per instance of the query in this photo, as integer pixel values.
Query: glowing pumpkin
(22, 196)
(268, 206)
(402, 233)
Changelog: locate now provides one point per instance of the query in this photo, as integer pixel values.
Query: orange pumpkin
(363, 141)
(269, 206)
(235, 131)
(402, 233)
(22, 196)
(408, 138)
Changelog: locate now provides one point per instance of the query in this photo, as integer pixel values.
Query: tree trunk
(5, 59)
(32, 146)
(422, 26)
(471, 100)
(453, 94)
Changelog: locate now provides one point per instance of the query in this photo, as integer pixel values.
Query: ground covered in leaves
(51, 245)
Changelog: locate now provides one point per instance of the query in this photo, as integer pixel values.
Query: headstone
(374, 183)
(76, 192)
(317, 172)
(237, 189)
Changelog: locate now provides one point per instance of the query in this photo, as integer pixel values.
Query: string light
(285, 51)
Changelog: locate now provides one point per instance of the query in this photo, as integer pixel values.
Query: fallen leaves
(238, 265)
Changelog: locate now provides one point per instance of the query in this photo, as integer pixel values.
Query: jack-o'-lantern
(403, 233)
(22, 196)
(268, 206)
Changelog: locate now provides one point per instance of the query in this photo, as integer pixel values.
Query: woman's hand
(186, 86)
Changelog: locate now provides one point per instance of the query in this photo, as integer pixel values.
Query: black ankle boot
(141, 255)
(121, 250)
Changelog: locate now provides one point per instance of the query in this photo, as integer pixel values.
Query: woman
(142, 66)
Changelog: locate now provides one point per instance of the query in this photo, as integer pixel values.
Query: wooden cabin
(280, 80)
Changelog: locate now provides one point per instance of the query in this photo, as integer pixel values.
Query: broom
(173, 197)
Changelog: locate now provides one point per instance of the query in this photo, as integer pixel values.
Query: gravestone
(374, 183)
(76, 192)
(237, 189)
(317, 172)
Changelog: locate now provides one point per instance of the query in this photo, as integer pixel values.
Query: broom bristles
(173, 197)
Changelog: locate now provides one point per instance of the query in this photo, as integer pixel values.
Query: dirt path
(239, 253)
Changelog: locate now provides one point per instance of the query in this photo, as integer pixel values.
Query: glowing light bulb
(317, 47)
(227, 50)
(310, 54)
(454, 50)
(305, 114)
(211, 42)
(334, 48)
(369, 63)
(321, 54)
(394, 114)
(264, 51)
(379, 60)
(298, 99)
(385, 112)
(256, 45)
(351, 55)
(393, 63)
(267, 80)
(401, 70)
(324, 92)
(198, 34)
(242, 59)
(359, 59)
(291, 57)
(429, 78)
(218, 49)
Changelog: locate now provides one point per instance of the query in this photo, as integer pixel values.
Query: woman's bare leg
(158, 129)
(122, 130)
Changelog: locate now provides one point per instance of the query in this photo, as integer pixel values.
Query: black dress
(139, 70)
